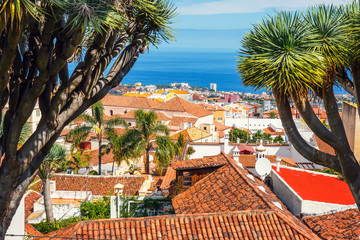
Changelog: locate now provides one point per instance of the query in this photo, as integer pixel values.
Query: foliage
(140, 208)
(142, 138)
(99, 209)
(279, 139)
(180, 141)
(132, 169)
(190, 150)
(272, 115)
(236, 133)
(78, 160)
(40, 43)
(257, 136)
(330, 171)
(46, 227)
(267, 137)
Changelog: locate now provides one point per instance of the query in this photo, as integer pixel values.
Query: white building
(254, 124)
(213, 86)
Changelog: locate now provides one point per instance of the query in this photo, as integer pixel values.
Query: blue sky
(224, 22)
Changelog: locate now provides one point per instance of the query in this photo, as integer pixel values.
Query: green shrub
(95, 210)
(46, 227)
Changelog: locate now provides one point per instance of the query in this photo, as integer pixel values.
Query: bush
(46, 227)
(95, 210)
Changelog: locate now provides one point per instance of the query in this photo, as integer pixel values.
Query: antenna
(263, 167)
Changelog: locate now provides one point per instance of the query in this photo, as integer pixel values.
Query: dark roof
(98, 185)
(339, 225)
(235, 225)
(205, 162)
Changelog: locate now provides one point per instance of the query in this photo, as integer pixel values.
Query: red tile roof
(128, 101)
(324, 146)
(160, 116)
(339, 225)
(205, 162)
(271, 131)
(211, 107)
(169, 177)
(180, 105)
(233, 188)
(314, 186)
(94, 157)
(30, 198)
(235, 225)
(98, 185)
(220, 127)
(244, 147)
(177, 121)
(31, 230)
(250, 160)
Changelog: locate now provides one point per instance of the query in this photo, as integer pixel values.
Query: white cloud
(248, 6)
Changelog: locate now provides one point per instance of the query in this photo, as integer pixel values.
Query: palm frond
(98, 112)
(275, 54)
(116, 121)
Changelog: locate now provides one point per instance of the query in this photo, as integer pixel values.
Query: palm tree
(51, 163)
(293, 54)
(94, 123)
(142, 138)
(77, 161)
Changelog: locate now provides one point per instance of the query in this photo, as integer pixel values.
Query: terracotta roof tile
(98, 185)
(31, 230)
(205, 162)
(191, 134)
(235, 225)
(211, 107)
(177, 121)
(30, 198)
(220, 127)
(249, 160)
(233, 188)
(339, 225)
(324, 146)
(169, 177)
(94, 157)
(128, 101)
(271, 131)
(180, 105)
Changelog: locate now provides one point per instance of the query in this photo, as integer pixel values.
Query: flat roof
(313, 186)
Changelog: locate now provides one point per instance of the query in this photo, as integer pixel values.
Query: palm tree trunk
(47, 200)
(147, 162)
(99, 156)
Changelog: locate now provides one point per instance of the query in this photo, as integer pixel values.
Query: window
(111, 112)
(129, 124)
(220, 119)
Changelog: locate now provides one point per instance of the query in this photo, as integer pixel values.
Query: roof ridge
(302, 231)
(257, 191)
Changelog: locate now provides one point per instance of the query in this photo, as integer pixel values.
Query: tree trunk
(47, 200)
(147, 162)
(100, 157)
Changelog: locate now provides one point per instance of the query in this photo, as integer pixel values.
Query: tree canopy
(38, 41)
(297, 55)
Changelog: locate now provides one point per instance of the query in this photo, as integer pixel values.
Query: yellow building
(219, 112)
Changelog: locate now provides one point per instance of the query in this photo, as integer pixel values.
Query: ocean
(198, 68)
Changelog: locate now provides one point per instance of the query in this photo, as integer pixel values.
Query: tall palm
(143, 137)
(94, 123)
(292, 55)
(51, 163)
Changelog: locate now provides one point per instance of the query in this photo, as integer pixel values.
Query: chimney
(226, 143)
(278, 160)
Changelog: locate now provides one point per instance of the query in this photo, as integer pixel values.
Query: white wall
(17, 225)
(207, 120)
(255, 124)
(202, 150)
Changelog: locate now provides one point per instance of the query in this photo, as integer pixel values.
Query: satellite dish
(263, 166)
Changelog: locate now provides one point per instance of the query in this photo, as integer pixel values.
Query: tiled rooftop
(324, 146)
(98, 185)
(128, 101)
(30, 198)
(339, 225)
(250, 160)
(169, 176)
(235, 225)
(180, 105)
(205, 162)
(177, 121)
(191, 134)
